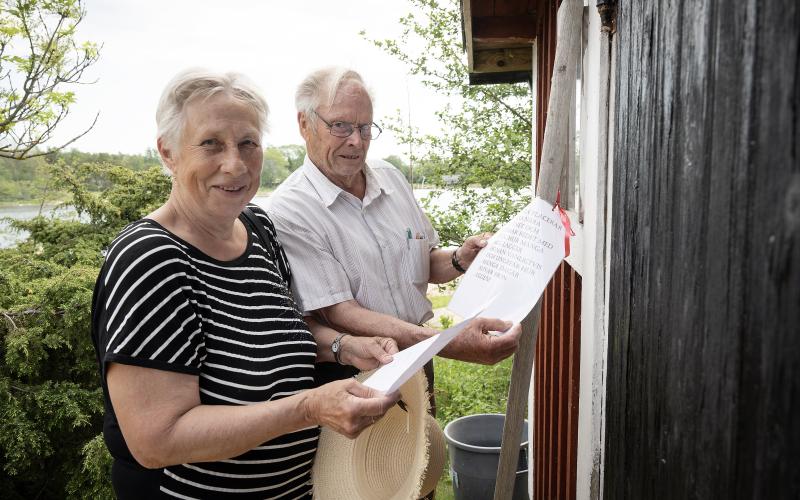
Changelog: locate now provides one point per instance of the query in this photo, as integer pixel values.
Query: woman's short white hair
(321, 86)
(199, 83)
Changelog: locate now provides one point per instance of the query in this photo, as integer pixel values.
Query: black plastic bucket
(474, 446)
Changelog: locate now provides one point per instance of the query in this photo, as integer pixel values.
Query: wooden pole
(554, 150)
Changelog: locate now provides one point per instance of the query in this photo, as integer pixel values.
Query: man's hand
(476, 344)
(467, 252)
(347, 406)
(366, 353)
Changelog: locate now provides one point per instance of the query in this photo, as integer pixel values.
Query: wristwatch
(336, 347)
(456, 264)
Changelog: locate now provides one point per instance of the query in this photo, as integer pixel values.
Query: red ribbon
(565, 222)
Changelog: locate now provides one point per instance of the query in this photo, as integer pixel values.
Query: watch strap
(336, 347)
(456, 264)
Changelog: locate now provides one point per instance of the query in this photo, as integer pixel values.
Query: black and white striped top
(161, 303)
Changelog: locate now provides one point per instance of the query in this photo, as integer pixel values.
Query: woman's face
(217, 169)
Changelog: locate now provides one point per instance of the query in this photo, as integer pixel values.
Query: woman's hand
(347, 406)
(366, 353)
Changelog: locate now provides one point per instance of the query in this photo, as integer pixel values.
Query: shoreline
(26, 204)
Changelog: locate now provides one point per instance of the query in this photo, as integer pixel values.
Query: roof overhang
(498, 37)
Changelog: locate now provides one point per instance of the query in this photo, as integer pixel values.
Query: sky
(276, 43)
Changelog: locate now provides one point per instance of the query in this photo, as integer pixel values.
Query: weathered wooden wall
(704, 347)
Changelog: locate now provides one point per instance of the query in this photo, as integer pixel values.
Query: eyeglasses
(368, 131)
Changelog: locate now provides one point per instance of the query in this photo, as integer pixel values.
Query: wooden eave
(498, 35)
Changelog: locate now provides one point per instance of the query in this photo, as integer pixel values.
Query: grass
(465, 389)
(439, 301)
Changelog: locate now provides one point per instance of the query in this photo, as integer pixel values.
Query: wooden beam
(494, 78)
(466, 17)
(562, 90)
(501, 60)
(556, 137)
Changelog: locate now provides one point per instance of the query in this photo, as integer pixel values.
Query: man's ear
(167, 155)
(304, 124)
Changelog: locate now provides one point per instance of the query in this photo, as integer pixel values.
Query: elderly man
(361, 247)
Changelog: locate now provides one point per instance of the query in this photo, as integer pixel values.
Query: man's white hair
(199, 83)
(320, 88)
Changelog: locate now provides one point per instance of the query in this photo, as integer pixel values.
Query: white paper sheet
(512, 271)
(407, 362)
(506, 279)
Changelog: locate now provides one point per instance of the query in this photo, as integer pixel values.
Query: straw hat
(400, 457)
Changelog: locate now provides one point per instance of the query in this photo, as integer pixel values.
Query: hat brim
(400, 457)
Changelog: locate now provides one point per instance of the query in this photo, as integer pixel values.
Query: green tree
(39, 59)
(400, 165)
(487, 140)
(274, 167)
(294, 154)
(279, 162)
(29, 180)
(51, 403)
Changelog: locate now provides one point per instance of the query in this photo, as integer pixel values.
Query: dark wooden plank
(541, 461)
(704, 351)
(482, 8)
(574, 322)
(561, 357)
(546, 329)
(510, 7)
(770, 379)
(519, 27)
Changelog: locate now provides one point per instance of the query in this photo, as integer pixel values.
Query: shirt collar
(328, 191)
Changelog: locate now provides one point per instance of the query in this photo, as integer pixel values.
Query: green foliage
(472, 211)
(39, 59)
(445, 321)
(466, 388)
(51, 403)
(439, 301)
(400, 165)
(29, 180)
(279, 162)
(23, 180)
(487, 140)
(294, 154)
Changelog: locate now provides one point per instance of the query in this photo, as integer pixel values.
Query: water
(9, 237)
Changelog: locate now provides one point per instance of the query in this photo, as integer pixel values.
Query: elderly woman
(207, 365)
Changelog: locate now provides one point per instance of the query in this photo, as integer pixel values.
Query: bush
(466, 388)
(51, 404)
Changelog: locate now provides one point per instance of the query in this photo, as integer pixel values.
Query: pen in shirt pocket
(408, 238)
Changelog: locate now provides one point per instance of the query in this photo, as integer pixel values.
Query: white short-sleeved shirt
(376, 251)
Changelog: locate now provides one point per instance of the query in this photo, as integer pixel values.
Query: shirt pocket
(419, 260)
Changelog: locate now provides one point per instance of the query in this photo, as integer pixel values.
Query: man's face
(339, 158)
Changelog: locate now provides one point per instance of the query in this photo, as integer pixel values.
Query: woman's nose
(233, 162)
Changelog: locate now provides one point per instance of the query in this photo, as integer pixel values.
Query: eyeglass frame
(353, 127)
